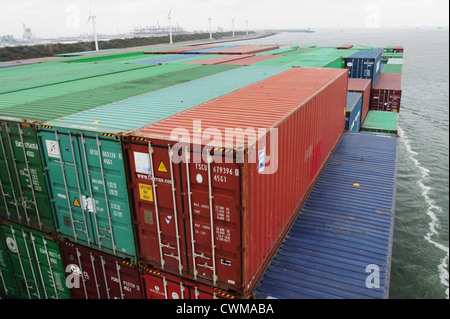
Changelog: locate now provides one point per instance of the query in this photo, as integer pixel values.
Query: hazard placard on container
(146, 192)
(76, 202)
(162, 168)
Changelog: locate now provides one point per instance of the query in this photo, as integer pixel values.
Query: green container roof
(392, 68)
(162, 77)
(51, 91)
(132, 114)
(41, 74)
(281, 61)
(315, 61)
(381, 122)
(362, 47)
(104, 57)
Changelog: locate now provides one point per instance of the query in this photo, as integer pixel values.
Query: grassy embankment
(47, 50)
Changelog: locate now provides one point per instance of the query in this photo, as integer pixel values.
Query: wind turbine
(210, 32)
(246, 25)
(232, 20)
(170, 25)
(91, 17)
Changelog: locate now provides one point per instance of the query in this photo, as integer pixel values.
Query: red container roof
(220, 59)
(180, 50)
(261, 105)
(246, 49)
(358, 84)
(389, 81)
(236, 59)
(346, 46)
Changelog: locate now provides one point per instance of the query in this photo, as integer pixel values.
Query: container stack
(170, 173)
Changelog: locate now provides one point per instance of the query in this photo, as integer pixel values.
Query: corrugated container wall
(365, 64)
(88, 188)
(24, 196)
(217, 218)
(353, 112)
(95, 275)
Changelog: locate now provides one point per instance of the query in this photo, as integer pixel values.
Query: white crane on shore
(91, 17)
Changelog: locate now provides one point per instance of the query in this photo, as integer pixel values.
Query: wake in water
(431, 212)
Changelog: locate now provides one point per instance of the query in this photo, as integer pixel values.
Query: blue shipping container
(365, 64)
(340, 245)
(353, 112)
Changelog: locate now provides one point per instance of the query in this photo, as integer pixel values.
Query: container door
(65, 174)
(82, 273)
(163, 286)
(122, 281)
(106, 196)
(360, 68)
(37, 264)
(199, 291)
(89, 191)
(386, 100)
(212, 205)
(22, 184)
(8, 285)
(158, 206)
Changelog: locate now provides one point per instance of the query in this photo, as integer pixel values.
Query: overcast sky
(53, 18)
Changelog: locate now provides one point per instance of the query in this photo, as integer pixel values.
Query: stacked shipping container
(387, 92)
(365, 64)
(223, 227)
(362, 86)
(200, 217)
(353, 112)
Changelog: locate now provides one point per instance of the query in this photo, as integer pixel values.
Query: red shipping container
(387, 92)
(252, 59)
(183, 185)
(345, 47)
(362, 86)
(102, 274)
(221, 59)
(161, 285)
(398, 49)
(182, 49)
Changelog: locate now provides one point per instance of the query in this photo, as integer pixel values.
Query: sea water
(420, 254)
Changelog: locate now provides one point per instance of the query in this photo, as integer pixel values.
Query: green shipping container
(339, 63)
(24, 194)
(23, 197)
(85, 166)
(44, 74)
(35, 268)
(381, 122)
(122, 80)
